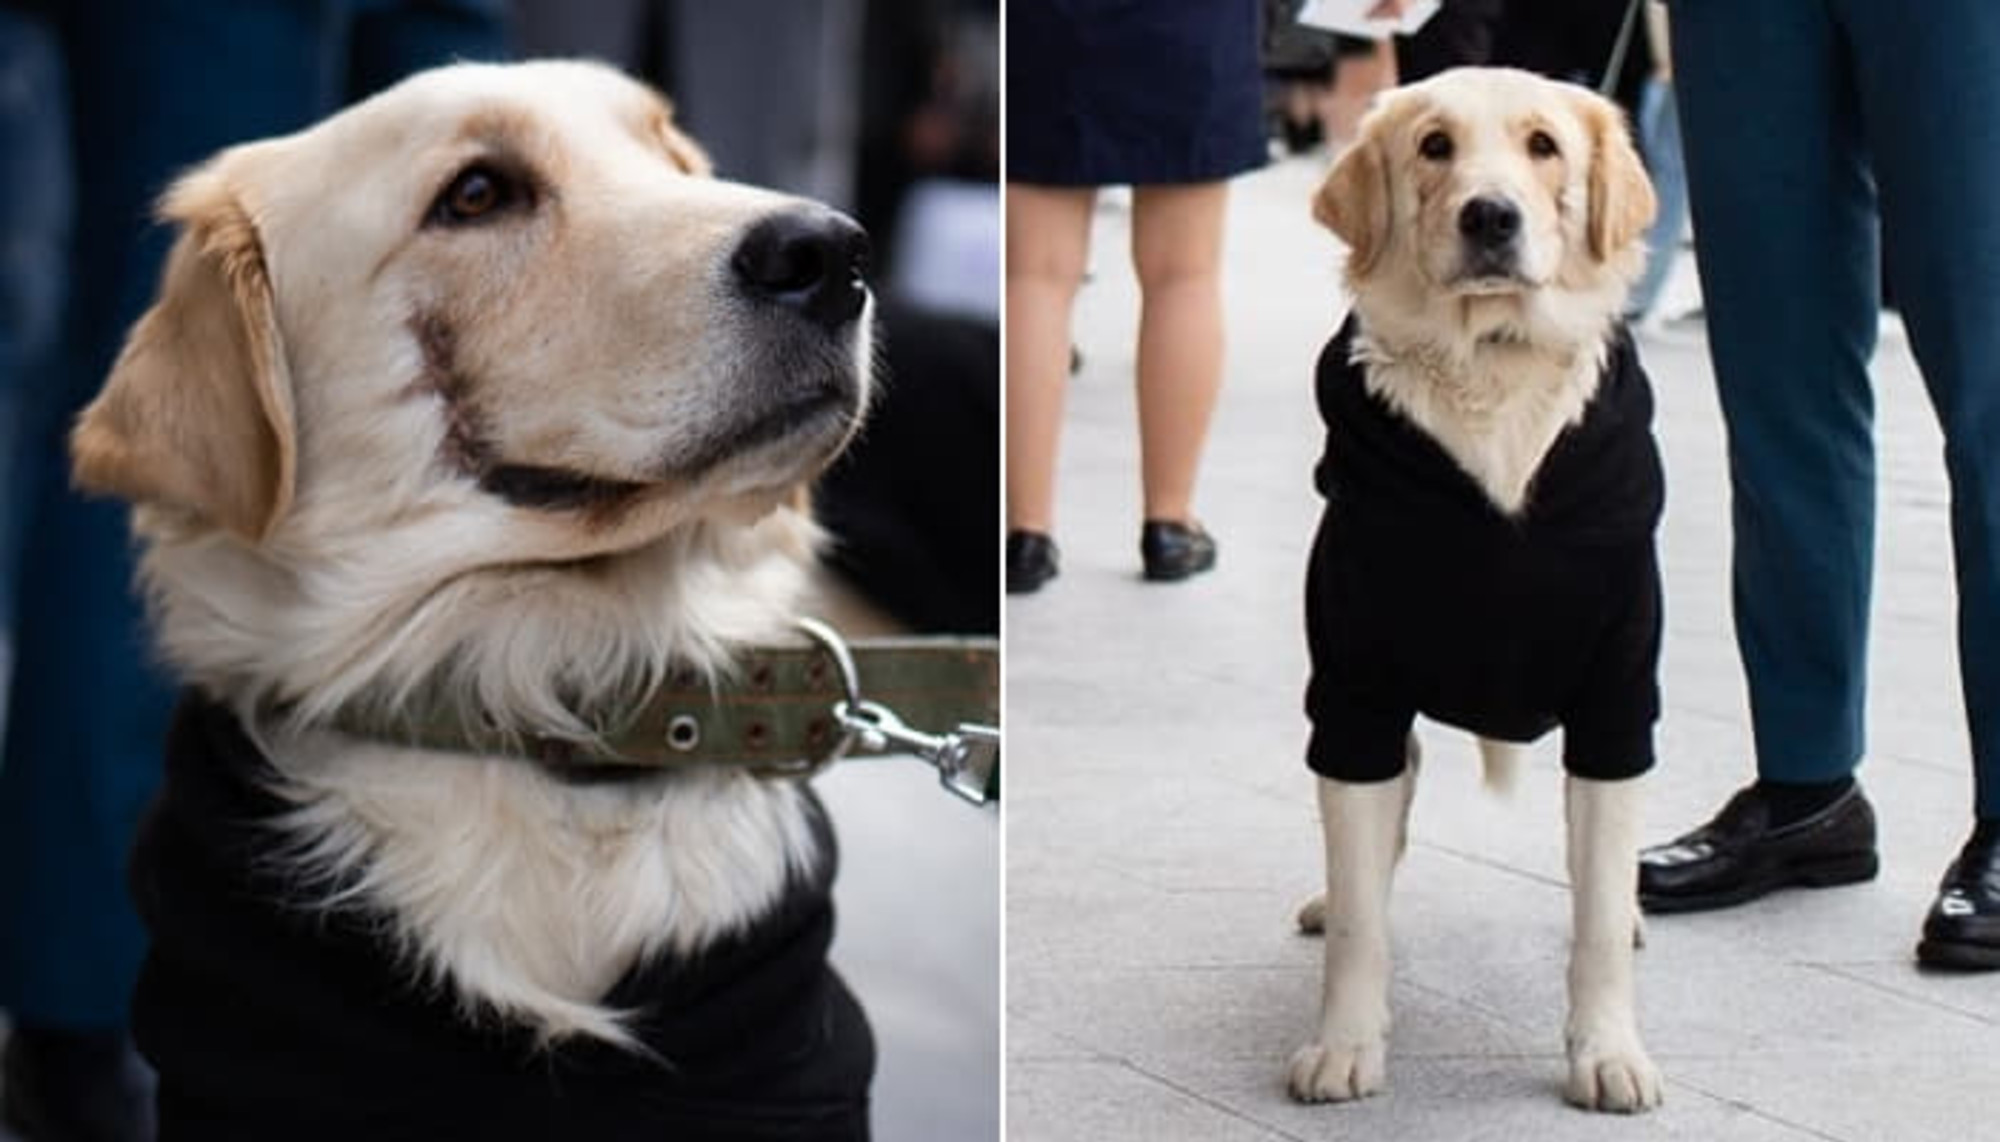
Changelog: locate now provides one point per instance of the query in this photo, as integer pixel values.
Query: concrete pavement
(919, 941)
(1161, 827)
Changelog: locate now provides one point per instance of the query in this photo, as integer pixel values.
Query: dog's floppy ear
(1353, 202)
(1621, 196)
(197, 413)
(684, 151)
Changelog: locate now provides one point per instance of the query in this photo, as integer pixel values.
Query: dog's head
(512, 295)
(1492, 189)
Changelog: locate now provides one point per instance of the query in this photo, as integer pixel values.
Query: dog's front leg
(1363, 824)
(1608, 1066)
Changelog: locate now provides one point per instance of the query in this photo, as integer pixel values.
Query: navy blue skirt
(1108, 92)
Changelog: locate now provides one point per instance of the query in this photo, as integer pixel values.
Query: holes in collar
(683, 733)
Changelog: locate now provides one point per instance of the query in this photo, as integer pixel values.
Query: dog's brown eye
(1435, 146)
(1542, 145)
(475, 193)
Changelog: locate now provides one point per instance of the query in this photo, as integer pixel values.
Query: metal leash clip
(967, 759)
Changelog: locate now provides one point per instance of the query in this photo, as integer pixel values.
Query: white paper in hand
(1351, 17)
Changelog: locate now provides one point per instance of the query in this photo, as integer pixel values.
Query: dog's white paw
(1312, 915)
(1327, 1073)
(1613, 1076)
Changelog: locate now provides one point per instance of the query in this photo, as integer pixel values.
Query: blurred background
(888, 109)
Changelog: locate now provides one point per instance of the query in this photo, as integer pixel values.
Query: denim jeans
(1660, 142)
(156, 85)
(1807, 123)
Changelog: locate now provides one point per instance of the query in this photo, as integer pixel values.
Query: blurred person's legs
(35, 215)
(1177, 252)
(68, 1072)
(1785, 239)
(1358, 77)
(1048, 245)
(150, 94)
(623, 33)
(1461, 34)
(1299, 122)
(1660, 142)
(390, 39)
(781, 107)
(156, 87)
(1930, 89)
(1298, 62)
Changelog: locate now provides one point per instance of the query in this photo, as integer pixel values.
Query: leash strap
(1607, 84)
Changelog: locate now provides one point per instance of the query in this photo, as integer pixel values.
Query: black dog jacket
(1423, 598)
(269, 1021)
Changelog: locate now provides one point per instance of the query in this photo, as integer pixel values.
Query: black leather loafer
(1174, 551)
(1031, 561)
(1963, 929)
(1740, 855)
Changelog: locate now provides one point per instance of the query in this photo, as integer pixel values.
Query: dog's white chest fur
(531, 895)
(1496, 410)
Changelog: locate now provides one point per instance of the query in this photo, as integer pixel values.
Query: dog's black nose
(1488, 221)
(808, 260)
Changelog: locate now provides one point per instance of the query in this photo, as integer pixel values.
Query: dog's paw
(1312, 915)
(1325, 1073)
(1615, 1078)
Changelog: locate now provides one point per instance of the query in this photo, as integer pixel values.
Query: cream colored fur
(390, 361)
(1608, 1065)
(528, 895)
(1493, 369)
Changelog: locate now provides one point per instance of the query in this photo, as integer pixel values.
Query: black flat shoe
(1963, 929)
(1031, 561)
(1740, 855)
(1174, 551)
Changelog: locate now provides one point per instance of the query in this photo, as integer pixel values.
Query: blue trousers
(155, 85)
(1805, 124)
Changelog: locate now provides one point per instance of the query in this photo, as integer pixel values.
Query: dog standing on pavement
(1486, 557)
(481, 398)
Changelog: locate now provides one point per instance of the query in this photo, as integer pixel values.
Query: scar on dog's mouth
(564, 489)
(555, 489)
(469, 447)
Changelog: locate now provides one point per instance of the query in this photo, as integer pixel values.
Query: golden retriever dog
(1486, 557)
(482, 396)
